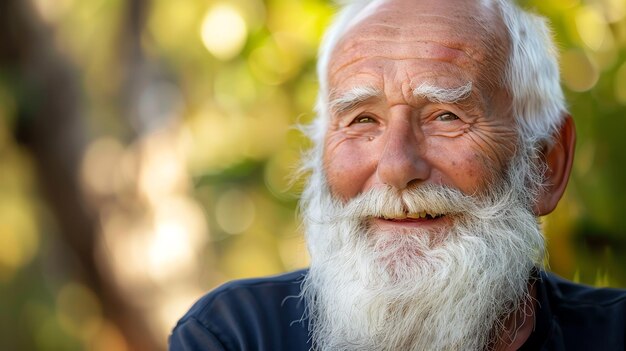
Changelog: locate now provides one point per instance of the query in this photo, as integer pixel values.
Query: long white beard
(415, 290)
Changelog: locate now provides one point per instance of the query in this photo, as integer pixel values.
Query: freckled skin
(403, 141)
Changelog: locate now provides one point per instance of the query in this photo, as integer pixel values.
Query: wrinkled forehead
(464, 31)
(475, 13)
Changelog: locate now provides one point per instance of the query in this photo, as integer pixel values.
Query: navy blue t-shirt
(265, 314)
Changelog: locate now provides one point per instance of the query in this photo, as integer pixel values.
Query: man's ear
(558, 158)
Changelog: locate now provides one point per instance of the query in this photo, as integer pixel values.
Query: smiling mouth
(415, 216)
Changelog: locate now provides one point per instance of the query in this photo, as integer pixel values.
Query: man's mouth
(413, 216)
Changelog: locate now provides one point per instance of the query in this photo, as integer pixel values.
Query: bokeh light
(234, 211)
(100, 165)
(614, 10)
(592, 26)
(276, 60)
(53, 10)
(578, 72)
(224, 31)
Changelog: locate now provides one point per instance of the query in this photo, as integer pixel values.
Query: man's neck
(520, 324)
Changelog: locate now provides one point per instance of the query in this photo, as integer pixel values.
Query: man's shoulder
(585, 317)
(266, 290)
(576, 294)
(288, 281)
(258, 310)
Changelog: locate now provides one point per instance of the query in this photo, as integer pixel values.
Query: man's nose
(401, 162)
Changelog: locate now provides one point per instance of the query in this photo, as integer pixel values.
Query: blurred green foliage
(211, 131)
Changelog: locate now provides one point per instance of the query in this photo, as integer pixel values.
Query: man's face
(384, 132)
(419, 224)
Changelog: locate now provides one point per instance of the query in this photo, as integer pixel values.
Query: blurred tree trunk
(51, 126)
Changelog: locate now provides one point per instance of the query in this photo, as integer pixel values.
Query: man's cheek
(348, 170)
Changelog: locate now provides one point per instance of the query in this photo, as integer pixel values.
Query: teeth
(413, 215)
(395, 216)
(417, 215)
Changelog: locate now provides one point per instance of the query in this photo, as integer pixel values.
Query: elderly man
(441, 137)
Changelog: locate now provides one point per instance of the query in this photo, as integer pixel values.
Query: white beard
(415, 290)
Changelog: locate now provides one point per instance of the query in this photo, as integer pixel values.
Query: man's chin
(408, 246)
(401, 259)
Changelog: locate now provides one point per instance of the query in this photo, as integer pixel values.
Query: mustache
(435, 200)
(386, 201)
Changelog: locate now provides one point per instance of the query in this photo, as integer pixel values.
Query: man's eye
(364, 119)
(447, 117)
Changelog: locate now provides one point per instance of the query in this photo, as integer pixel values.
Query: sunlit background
(146, 148)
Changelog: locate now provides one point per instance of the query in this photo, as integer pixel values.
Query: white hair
(352, 98)
(531, 74)
(443, 95)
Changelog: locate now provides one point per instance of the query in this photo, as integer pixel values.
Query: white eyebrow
(350, 99)
(443, 95)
